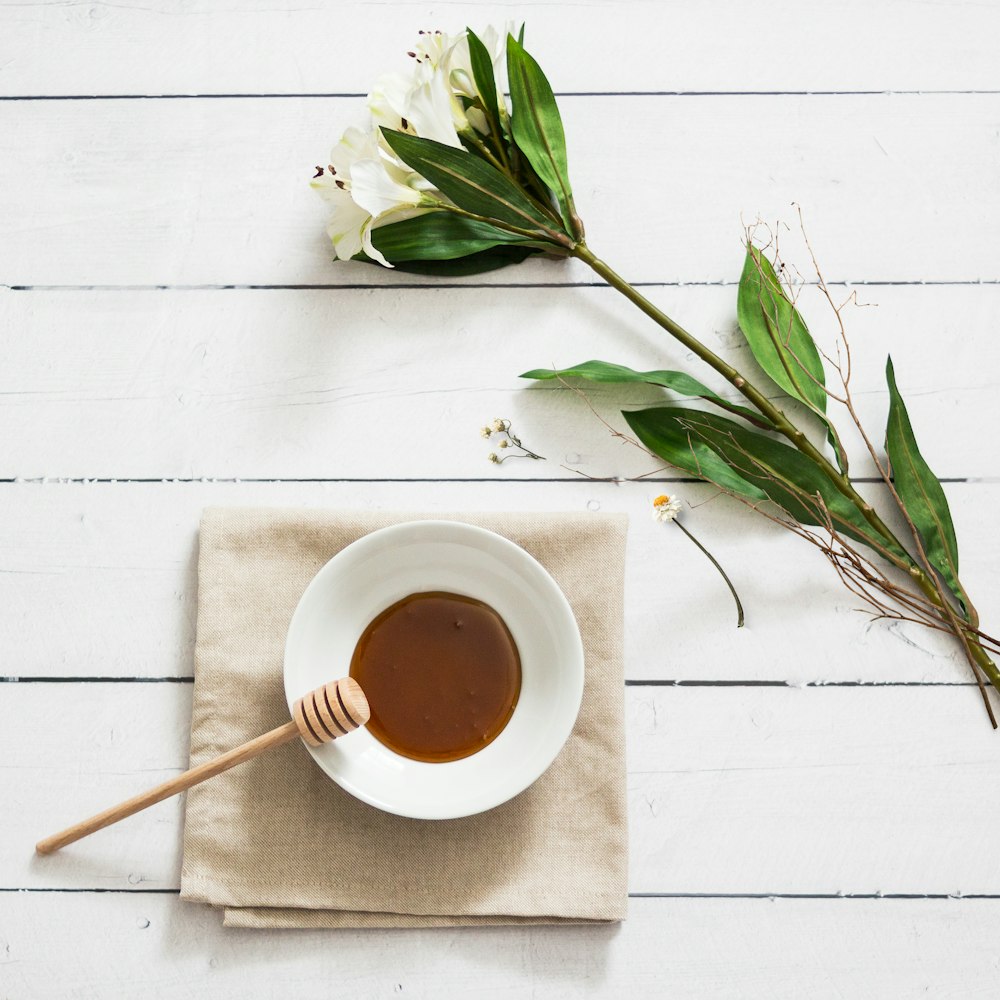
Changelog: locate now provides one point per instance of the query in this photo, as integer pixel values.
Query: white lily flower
(334, 186)
(422, 104)
(428, 101)
(379, 189)
(347, 221)
(366, 183)
(367, 187)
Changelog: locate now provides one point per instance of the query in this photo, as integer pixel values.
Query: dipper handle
(319, 717)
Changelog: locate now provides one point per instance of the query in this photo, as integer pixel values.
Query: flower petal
(431, 113)
(376, 191)
(373, 252)
(389, 100)
(423, 99)
(345, 227)
(478, 120)
(354, 145)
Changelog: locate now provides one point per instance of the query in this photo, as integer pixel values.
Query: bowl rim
(574, 654)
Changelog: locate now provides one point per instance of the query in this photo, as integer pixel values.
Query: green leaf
(780, 472)
(602, 371)
(476, 263)
(776, 332)
(482, 73)
(538, 128)
(438, 236)
(780, 340)
(471, 183)
(920, 491)
(664, 435)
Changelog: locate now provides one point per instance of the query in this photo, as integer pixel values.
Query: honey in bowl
(441, 673)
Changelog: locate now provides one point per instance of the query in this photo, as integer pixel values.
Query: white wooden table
(813, 801)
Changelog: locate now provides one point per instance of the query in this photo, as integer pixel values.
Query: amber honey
(441, 673)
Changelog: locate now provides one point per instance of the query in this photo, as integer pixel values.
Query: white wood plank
(811, 790)
(374, 384)
(682, 948)
(731, 790)
(99, 580)
(216, 191)
(267, 46)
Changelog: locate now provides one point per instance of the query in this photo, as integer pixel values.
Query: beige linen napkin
(277, 844)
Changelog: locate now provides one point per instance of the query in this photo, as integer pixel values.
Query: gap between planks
(237, 480)
(290, 95)
(847, 896)
(431, 285)
(709, 683)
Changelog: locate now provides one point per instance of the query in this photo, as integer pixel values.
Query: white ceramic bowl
(376, 571)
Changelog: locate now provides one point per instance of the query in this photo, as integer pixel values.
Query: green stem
(496, 135)
(788, 430)
(781, 423)
(715, 562)
(472, 136)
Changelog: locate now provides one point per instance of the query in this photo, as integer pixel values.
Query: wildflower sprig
(453, 177)
(501, 434)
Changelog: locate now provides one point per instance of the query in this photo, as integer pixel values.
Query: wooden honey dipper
(333, 710)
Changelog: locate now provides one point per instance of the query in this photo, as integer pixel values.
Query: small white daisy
(666, 508)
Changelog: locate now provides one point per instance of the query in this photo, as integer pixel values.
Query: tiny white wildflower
(493, 457)
(504, 443)
(666, 508)
(485, 432)
(498, 424)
